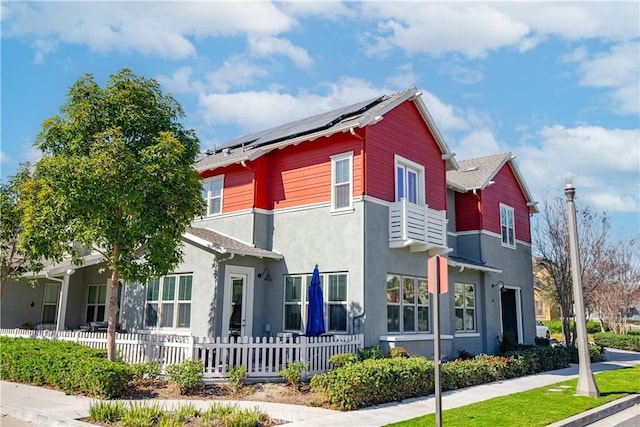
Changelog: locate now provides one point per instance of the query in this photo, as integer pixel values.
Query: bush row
(355, 384)
(555, 326)
(71, 367)
(629, 342)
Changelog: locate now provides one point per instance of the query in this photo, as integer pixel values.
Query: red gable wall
(403, 132)
(505, 190)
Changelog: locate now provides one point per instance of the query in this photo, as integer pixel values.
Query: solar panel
(300, 127)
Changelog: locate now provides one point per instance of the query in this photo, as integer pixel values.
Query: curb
(40, 418)
(596, 414)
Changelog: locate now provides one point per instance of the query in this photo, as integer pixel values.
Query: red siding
(506, 190)
(237, 193)
(468, 212)
(404, 132)
(301, 174)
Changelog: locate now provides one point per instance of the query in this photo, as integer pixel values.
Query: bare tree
(620, 290)
(551, 249)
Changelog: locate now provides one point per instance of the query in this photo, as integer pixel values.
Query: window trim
(420, 171)
(208, 199)
(334, 160)
(416, 305)
(464, 308)
(175, 302)
(97, 304)
(506, 208)
(303, 303)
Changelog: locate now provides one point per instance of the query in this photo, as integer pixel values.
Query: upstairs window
(341, 181)
(212, 194)
(409, 180)
(507, 226)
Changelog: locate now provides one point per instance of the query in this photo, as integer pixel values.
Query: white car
(541, 330)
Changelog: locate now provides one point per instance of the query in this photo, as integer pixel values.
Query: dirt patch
(260, 392)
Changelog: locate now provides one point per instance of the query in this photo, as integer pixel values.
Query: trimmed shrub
(147, 370)
(372, 352)
(397, 352)
(375, 381)
(621, 342)
(71, 367)
(596, 353)
(293, 373)
(185, 375)
(338, 360)
(555, 326)
(507, 343)
(237, 375)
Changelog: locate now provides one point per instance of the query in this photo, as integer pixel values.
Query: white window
(50, 302)
(169, 302)
(465, 307)
(96, 303)
(212, 194)
(335, 301)
(409, 179)
(341, 181)
(407, 304)
(507, 226)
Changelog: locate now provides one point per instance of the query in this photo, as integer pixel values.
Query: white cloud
(617, 69)
(235, 72)
(180, 81)
(445, 115)
(603, 162)
(148, 28)
(267, 46)
(4, 157)
(271, 108)
(478, 143)
(403, 78)
(436, 28)
(460, 73)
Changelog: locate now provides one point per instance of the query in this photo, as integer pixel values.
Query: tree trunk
(113, 306)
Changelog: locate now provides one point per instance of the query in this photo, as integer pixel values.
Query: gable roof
(358, 115)
(478, 174)
(224, 244)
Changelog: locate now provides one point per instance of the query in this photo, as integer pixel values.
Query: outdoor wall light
(265, 275)
(500, 285)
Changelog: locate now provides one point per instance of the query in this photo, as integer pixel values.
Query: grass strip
(537, 407)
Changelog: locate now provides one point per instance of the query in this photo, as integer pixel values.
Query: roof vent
(471, 169)
(226, 151)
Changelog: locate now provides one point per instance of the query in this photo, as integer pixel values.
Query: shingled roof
(358, 115)
(478, 174)
(226, 245)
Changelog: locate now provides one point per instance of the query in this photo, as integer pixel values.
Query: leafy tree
(116, 176)
(14, 261)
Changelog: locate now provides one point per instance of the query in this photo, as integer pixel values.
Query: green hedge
(555, 326)
(621, 342)
(372, 382)
(71, 367)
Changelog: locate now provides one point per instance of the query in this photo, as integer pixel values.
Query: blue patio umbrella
(315, 310)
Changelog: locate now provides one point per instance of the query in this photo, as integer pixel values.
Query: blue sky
(557, 84)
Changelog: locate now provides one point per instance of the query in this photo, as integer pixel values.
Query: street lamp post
(586, 383)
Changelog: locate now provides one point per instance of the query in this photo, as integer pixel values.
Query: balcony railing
(417, 227)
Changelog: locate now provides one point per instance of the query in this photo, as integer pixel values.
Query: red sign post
(437, 281)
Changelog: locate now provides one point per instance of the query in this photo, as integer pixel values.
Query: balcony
(417, 227)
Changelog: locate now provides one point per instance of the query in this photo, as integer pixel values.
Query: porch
(263, 357)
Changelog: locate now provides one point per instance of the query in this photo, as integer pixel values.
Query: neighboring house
(546, 308)
(367, 192)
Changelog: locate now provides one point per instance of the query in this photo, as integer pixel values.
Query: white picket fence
(263, 357)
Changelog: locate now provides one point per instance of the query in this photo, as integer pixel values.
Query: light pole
(586, 383)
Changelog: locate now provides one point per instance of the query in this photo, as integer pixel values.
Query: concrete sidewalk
(54, 408)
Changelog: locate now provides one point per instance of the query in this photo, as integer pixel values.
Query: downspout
(356, 320)
(64, 292)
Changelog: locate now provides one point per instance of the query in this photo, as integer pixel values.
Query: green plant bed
(538, 407)
(621, 342)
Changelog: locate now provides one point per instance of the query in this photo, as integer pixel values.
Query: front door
(511, 315)
(238, 301)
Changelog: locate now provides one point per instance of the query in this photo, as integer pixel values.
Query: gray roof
(361, 114)
(66, 266)
(462, 262)
(478, 174)
(226, 245)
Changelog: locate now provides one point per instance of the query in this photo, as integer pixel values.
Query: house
(367, 192)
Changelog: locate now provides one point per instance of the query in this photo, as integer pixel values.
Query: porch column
(62, 302)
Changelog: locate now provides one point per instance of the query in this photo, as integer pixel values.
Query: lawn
(538, 407)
